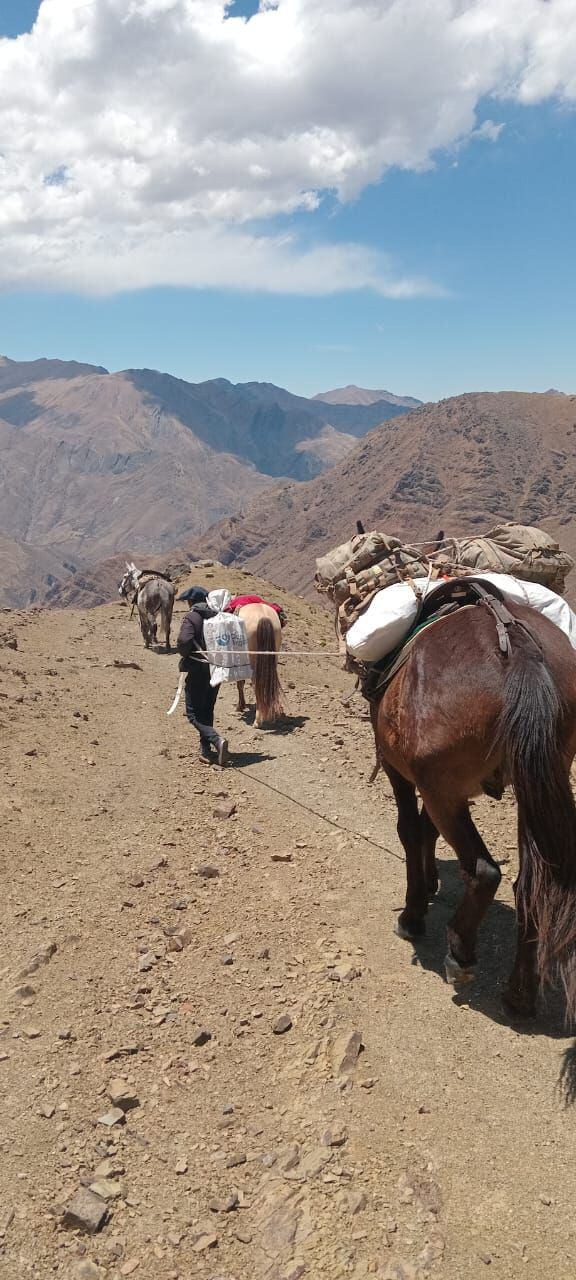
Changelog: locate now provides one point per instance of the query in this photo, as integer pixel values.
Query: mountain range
(94, 463)
(463, 464)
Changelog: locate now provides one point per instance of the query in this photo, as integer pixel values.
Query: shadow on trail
(496, 951)
(242, 759)
(281, 727)
(287, 724)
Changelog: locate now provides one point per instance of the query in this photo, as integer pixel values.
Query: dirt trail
(441, 1149)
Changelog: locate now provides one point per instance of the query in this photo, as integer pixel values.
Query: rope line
(382, 848)
(272, 653)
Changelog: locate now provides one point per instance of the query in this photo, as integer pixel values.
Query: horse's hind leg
(241, 699)
(429, 837)
(481, 876)
(411, 919)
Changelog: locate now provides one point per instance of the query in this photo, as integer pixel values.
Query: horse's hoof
(456, 974)
(409, 932)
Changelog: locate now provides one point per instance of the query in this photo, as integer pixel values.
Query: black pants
(200, 702)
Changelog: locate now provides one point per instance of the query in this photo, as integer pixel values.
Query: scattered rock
(233, 1162)
(283, 1024)
(208, 872)
(86, 1270)
(225, 810)
(356, 1202)
(178, 937)
(281, 857)
(123, 1051)
(110, 1118)
(206, 1240)
(24, 992)
(226, 1206)
(136, 882)
(106, 1188)
(108, 1169)
(345, 1052)
(181, 1165)
(147, 962)
(345, 972)
(310, 1165)
(201, 1037)
(227, 960)
(335, 1137)
(121, 1095)
(85, 1212)
(31, 1032)
(47, 1110)
(129, 1267)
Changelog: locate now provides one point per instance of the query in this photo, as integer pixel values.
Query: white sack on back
(386, 621)
(541, 598)
(226, 644)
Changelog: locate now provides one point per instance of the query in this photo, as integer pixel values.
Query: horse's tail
(267, 687)
(530, 732)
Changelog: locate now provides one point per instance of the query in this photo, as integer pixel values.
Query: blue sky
(490, 223)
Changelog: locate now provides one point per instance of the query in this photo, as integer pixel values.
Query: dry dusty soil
(294, 1092)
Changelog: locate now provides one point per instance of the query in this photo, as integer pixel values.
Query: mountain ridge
(94, 463)
(463, 464)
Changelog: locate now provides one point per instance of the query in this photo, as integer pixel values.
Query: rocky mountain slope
(213, 1046)
(462, 464)
(93, 463)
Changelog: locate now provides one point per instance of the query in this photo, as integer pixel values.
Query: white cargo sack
(225, 642)
(386, 621)
(541, 598)
(393, 612)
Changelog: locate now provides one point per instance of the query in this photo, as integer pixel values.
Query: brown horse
(264, 634)
(466, 715)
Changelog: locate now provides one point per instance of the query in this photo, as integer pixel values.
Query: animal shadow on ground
(496, 950)
(284, 725)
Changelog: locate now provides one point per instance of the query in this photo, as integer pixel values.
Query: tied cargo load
(354, 573)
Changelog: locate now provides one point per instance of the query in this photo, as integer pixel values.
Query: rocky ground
(213, 1048)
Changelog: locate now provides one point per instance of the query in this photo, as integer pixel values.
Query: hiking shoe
(222, 752)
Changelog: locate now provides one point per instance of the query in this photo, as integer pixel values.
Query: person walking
(199, 693)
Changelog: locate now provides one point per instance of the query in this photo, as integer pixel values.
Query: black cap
(193, 595)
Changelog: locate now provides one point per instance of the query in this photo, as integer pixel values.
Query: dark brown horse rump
(462, 716)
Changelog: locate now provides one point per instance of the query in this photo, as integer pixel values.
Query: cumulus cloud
(159, 141)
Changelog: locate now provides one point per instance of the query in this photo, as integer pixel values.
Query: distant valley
(95, 463)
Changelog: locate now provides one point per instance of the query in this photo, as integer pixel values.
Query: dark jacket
(191, 640)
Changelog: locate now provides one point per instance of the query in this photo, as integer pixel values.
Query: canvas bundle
(353, 573)
(525, 552)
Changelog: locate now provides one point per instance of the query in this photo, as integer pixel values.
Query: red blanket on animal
(238, 602)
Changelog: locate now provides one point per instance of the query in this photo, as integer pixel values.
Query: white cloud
(140, 137)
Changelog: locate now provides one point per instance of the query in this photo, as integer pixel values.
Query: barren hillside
(209, 1031)
(93, 463)
(462, 464)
